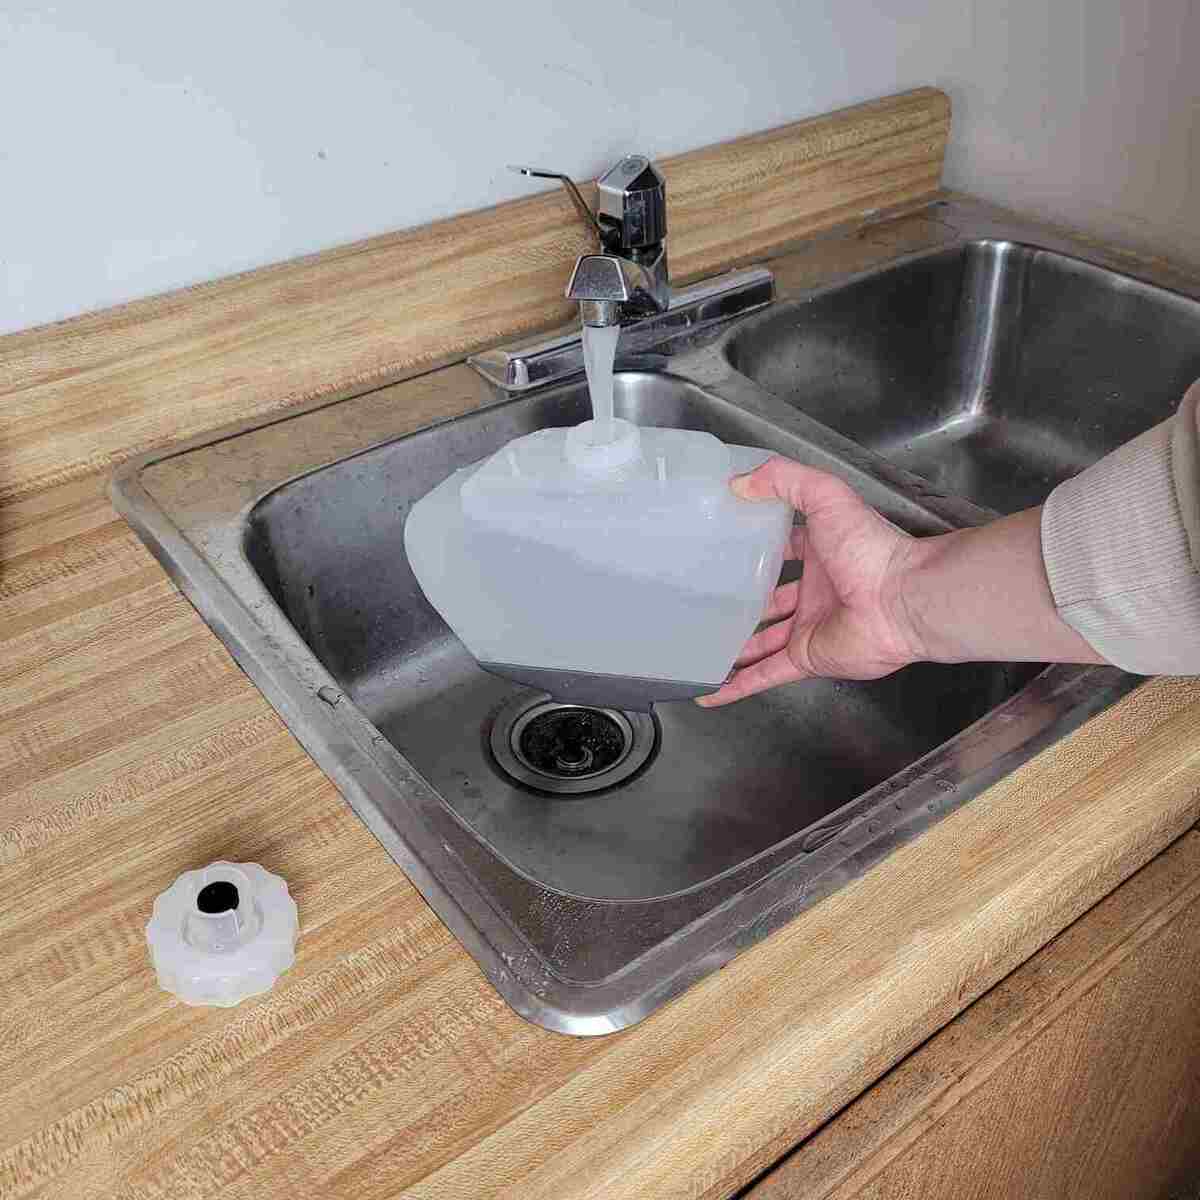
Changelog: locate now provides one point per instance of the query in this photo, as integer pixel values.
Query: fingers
(806, 489)
(783, 602)
(767, 673)
(797, 541)
(765, 642)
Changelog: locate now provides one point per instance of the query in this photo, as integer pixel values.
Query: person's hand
(838, 620)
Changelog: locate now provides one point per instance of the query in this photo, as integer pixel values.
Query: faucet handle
(632, 205)
(581, 205)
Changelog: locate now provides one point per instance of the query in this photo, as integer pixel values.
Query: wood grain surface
(1074, 1078)
(87, 393)
(383, 1064)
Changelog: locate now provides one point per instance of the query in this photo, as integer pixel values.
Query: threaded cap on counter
(223, 932)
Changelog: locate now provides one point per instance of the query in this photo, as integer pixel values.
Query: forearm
(982, 594)
(1106, 571)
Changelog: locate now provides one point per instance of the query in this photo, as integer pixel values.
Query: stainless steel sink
(717, 788)
(994, 369)
(590, 900)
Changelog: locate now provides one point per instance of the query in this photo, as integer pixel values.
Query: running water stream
(599, 350)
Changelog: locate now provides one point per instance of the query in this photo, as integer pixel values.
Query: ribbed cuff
(1185, 466)
(1119, 562)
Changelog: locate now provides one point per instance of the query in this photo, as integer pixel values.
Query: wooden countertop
(383, 1064)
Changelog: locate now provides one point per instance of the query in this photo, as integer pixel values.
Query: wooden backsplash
(84, 394)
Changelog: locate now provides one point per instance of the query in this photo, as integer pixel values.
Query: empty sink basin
(994, 369)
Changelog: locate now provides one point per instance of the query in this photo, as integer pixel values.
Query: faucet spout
(612, 290)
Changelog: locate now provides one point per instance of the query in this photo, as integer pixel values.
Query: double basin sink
(951, 365)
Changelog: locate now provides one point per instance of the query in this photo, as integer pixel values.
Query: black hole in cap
(221, 896)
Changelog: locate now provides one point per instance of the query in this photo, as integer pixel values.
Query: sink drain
(570, 749)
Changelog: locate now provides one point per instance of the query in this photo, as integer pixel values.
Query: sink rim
(346, 745)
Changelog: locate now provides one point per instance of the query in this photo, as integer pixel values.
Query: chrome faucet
(628, 280)
(625, 284)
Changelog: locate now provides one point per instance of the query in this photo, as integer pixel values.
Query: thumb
(806, 489)
(745, 487)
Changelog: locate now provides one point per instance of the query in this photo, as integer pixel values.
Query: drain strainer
(570, 749)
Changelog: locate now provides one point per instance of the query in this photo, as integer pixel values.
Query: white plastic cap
(222, 933)
(602, 458)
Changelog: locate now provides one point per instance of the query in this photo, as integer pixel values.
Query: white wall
(150, 145)
(1087, 111)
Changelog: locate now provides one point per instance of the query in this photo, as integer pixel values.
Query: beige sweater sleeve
(1121, 544)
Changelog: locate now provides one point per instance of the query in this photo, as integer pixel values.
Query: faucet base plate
(558, 358)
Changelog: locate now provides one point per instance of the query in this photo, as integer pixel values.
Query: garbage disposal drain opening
(570, 749)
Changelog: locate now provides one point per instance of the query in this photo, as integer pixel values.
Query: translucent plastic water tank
(628, 564)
